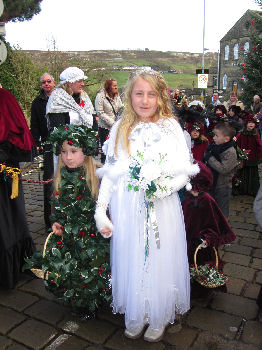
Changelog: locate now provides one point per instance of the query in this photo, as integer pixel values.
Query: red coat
(204, 219)
(250, 143)
(198, 150)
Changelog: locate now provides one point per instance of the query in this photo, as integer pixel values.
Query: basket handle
(195, 256)
(46, 241)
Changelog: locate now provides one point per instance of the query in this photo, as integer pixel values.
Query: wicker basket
(220, 282)
(42, 273)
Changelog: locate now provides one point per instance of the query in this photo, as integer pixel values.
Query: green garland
(79, 136)
(208, 275)
(81, 257)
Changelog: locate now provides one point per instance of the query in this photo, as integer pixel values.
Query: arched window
(236, 52)
(226, 52)
(246, 47)
(224, 82)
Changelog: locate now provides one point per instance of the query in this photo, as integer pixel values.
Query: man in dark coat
(40, 135)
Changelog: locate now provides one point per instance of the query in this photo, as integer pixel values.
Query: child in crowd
(205, 224)
(78, 257)
(249, 140)
(150, 273)
(199, 142)
(234, 112)
(219, 114)
(221, 111)
(221, 158)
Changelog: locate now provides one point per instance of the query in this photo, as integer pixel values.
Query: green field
(172, 80)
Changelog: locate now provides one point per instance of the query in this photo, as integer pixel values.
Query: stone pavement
(30, 318)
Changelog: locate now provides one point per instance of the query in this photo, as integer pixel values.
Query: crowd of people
(154, 146)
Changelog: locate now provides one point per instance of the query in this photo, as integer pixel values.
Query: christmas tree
(251, 80)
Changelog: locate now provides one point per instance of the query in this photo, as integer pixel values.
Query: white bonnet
(72, 74)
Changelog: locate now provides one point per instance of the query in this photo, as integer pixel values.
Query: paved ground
(30, 318)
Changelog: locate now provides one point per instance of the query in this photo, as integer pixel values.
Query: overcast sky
(166, 25)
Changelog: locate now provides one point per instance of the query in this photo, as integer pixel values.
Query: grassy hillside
(112, 62)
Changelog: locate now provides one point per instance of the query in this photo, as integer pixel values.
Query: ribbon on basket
(14, 174)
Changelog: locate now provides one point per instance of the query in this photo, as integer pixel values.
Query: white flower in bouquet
(150, 170)
(147, 172)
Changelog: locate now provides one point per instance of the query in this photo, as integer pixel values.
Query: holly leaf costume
(78, 262)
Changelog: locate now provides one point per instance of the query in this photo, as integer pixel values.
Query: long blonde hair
(90, 172)
(129, 117)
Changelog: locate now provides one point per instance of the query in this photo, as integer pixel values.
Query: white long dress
(149, 280)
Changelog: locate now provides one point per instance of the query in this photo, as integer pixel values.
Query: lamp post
(203, 51)
(3, 50)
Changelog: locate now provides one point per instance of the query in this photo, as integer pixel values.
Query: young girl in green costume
(77, 256)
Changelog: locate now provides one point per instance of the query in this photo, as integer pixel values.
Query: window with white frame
(224, 82)
(236, 51)
(226, 52)
(246, 48)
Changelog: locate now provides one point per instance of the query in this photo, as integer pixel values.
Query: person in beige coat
(233, 101)
(108, 105)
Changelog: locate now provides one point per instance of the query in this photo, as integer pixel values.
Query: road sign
(202, 81)
(199, 71)
(3, 52)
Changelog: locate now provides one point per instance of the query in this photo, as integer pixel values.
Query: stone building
(233, 47)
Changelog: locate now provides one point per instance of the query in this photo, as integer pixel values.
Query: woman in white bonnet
(69, 103)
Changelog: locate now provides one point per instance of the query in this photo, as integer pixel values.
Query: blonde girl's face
(72, 157)
(144, 100)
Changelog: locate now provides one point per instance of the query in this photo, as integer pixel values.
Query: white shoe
(134, 333)
(154, 335)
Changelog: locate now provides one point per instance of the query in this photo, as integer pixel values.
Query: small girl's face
(195, 134)
(72, 157)
(218, 111)
(231, 113)
(251, 126)
(144, 100)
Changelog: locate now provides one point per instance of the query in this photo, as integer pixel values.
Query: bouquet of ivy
(208, 276)
(150, 173)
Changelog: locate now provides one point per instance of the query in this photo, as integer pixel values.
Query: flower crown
(145, 71)
(79, 136)
(251, 118)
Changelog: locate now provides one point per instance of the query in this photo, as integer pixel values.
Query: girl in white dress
(149, 267)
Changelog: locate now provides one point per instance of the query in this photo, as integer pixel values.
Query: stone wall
(239, 35)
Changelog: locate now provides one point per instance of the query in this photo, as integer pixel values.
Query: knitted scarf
(61, 102)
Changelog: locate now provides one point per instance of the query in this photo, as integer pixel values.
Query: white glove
(102, 220)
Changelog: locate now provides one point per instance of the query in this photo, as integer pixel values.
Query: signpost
(3, 50)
